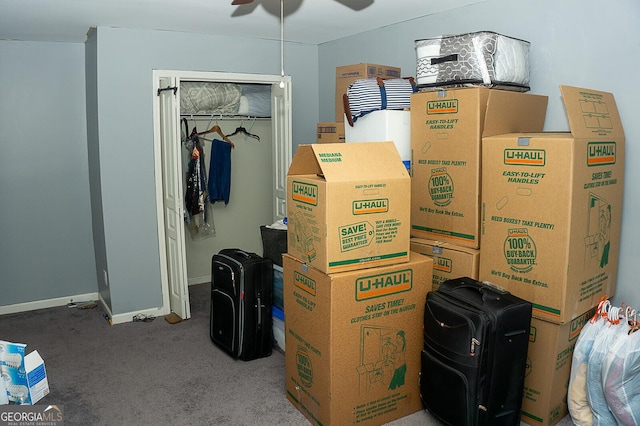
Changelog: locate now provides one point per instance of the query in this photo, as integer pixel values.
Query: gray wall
(46, 247)
(51, 135)
(125, 60)
(583, 43)
(91, 75)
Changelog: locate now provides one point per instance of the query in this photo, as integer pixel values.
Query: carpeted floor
(155, 373)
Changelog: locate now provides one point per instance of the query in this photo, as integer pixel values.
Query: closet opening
(237, 120)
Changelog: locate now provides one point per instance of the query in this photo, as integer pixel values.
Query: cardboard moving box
(450, 261)
(549, 359)
(347, 74)
(354, 340)
(348, 206)
(447, 127)
(329, 132)
(552, 205)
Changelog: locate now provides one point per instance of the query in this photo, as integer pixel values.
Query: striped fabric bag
(372, 94)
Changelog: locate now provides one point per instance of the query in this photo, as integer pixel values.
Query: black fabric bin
(274, 243)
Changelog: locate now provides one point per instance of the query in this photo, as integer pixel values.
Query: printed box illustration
(348, 206)
(354, 339)
(552, 205)
(447, 127)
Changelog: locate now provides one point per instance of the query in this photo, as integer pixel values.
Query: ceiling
(306, 21)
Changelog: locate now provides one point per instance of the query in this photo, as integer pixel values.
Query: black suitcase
(241, 297)
(476, 338)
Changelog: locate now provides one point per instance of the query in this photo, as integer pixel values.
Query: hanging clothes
(198, 220)
(220, 171)
(196, 178)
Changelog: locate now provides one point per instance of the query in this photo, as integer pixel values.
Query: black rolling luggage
(476, 338)
(241, 297)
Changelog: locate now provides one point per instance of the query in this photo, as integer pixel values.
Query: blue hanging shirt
(220, 171)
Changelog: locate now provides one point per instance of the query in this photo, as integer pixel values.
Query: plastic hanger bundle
(577, 401)
(612, 331)
(621, 376)
(603, 387)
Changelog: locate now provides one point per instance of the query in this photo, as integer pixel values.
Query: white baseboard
(128, 316)
(48, 303)
(62, 301)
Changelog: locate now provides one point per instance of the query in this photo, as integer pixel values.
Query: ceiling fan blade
(238, 2)
(356, 4)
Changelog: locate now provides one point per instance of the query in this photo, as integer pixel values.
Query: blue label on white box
(36, 375)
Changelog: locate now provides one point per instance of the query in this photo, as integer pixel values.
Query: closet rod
(223, 117)
(175, 90)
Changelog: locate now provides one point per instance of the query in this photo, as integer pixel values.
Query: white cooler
(381, 126)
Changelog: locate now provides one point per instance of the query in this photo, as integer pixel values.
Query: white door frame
(281, 157)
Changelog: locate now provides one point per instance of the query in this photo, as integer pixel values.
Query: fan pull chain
(282, 44)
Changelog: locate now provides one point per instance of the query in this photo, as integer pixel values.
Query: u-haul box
(552, 205)
(447, 127)
(450, 261)
(348, 206)
(549, 359)
(353, 341)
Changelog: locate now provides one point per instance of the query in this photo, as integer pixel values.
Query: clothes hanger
(186, 128)
(218, 130)
(241, 129)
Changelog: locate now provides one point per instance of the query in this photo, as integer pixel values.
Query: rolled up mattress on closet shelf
(205, 97)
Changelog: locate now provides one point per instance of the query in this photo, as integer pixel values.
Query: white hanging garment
(612, 331)
(577, 400)
(621, 377)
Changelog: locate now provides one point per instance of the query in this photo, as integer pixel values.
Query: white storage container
(383, 125)
(481, 58)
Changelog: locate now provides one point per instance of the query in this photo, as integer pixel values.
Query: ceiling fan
(243, 2)
(355, 5)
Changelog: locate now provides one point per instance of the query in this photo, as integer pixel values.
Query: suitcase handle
(244, 253)
(259, 310)
(490, 293)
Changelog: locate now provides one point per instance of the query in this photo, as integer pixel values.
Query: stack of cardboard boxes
(495, 198)
(551, 215)
(353, 292)
(447, 128)
(536, 213)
